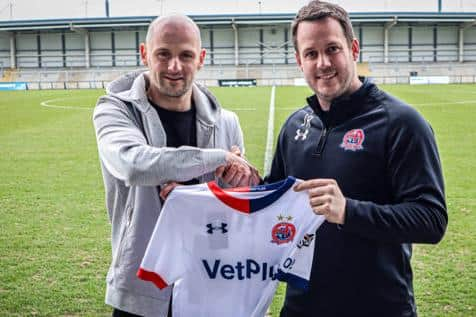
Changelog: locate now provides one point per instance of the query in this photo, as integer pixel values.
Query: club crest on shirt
(353, 140)
(283, 231)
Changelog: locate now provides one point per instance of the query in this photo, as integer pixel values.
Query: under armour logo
(212, 228)
(302, 134)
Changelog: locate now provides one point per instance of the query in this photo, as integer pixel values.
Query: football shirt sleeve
(164, 259)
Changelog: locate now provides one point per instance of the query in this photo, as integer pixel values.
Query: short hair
(175, 17)
(319, 10)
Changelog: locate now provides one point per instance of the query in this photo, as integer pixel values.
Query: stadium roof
(227, 19)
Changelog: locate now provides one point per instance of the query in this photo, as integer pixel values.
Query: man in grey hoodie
(154, 128)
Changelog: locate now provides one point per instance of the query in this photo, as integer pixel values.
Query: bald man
(154, 128)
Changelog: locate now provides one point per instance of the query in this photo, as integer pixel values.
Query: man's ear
(355, 49)
(298, 59)
(143, 54)
(203, 53)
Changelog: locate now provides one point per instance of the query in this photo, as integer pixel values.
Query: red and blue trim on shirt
(152, 277)
(252, 205)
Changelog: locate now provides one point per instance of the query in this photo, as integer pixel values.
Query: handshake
(236, 172)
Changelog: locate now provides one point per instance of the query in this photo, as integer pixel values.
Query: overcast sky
(51, 9)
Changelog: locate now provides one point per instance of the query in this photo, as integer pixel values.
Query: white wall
(27, 49)
(51, 50)
(101, 49)
(223, 43)
(248, 39)
(422, 44)
(470, 43)
(74, 44)
(125, 45)
(158, 7)
(398, 43)
(389, 5)
(372, 43)
(273, 39)
(447, 43)
(459, 5)
(48, 9)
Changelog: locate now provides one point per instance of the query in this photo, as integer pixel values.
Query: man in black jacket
(371, 167)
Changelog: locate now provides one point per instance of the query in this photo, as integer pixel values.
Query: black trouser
(119, 313)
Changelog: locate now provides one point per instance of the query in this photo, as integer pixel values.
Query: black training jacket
(384, 157)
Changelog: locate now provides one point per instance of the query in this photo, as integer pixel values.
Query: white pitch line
(411, 104)
(444, 103)
(46, 104)
(270, 136)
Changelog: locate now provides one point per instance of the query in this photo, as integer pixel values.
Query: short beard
(171, 92)
(344, 90)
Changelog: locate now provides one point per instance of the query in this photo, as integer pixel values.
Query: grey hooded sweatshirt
(135, 161)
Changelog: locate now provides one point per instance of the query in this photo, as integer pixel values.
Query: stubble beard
(341, 91)
(170, 89)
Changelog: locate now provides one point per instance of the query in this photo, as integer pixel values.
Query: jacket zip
(210, 136)
(322, 140)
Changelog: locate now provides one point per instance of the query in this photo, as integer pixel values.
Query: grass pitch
(55, 245)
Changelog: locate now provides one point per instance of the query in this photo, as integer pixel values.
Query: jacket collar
(206, 105)
(132, 88)
(346, 107)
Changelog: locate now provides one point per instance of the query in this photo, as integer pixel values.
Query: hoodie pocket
(123, 240)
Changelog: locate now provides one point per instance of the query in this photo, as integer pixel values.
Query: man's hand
(221, 170)
(237, 172)
(166, 189)
(325, 198)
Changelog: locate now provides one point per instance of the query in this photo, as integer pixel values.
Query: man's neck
(326, 103)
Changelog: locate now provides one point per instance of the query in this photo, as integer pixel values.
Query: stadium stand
(89, 52)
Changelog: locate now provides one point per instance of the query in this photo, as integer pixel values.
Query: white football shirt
(225, 249)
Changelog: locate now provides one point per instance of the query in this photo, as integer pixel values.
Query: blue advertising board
(13, 86)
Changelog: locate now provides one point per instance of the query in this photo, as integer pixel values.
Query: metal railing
(246, 56)
(264, 81)
(454, 79)
(397, 71)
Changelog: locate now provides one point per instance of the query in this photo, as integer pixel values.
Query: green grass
(251, 104)
(445, 274)
(55, 245)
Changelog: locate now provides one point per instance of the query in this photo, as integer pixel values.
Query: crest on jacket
(353, 140)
